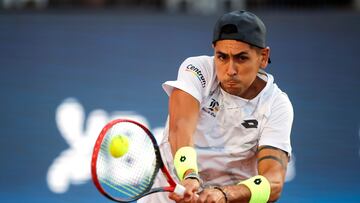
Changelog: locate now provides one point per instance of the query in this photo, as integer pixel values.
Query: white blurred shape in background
(72, 166)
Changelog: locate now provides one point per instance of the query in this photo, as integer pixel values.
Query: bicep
(183, 117)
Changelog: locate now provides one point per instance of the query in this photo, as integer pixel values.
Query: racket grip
(180, 190)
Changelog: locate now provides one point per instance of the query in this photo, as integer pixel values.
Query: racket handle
(180, 190)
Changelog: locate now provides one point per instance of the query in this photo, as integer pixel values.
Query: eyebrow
(236, 55)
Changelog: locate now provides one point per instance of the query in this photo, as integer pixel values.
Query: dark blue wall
(115, 61)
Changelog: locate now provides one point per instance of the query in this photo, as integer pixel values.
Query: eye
(242, 58)
(221, 57)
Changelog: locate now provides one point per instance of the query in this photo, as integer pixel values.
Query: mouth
(232, 82)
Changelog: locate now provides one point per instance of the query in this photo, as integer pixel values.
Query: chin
(233, 90)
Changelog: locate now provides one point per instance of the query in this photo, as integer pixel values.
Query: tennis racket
(131, 176)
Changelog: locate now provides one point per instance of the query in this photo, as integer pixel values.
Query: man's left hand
(211, 195)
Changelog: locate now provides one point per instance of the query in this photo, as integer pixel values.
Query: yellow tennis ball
(119, 145)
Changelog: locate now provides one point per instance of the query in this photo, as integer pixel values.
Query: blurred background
(69, 66)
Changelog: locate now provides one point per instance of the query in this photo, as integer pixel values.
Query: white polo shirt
(230, 128)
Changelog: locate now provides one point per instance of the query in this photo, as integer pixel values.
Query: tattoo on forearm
(281, 161)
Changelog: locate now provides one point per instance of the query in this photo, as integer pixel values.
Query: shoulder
(275, 100)
(201, 67)
(283, 101)
(195, 76)
(281, 104)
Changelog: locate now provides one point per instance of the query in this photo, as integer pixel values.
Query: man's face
(237, 65)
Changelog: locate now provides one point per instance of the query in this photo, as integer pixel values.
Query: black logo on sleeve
(250, 123)
(182, 158)
(257, 181)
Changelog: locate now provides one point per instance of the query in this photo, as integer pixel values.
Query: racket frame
(173, 186)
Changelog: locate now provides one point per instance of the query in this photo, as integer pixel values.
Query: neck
(254, 89)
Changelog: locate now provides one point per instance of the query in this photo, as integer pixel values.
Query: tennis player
(227, 138)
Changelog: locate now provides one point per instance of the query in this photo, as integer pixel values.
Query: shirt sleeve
(277, 129)
(193, 77)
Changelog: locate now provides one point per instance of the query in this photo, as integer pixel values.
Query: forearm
(272, 164)
(179, 136)
(183, 113)
(241, 193)
(237, 193)
(276, 181)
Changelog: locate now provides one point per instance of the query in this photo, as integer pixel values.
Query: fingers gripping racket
(131, 175)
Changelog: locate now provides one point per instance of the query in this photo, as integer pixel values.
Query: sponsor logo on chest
(212, 108)
(250, 123)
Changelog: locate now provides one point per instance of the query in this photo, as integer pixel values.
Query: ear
(265, 55)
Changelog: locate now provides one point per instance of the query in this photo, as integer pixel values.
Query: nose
(231, 70)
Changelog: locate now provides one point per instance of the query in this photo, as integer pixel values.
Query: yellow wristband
(185, 159)
(259, 187)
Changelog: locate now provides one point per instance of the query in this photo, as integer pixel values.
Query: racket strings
(132, 174)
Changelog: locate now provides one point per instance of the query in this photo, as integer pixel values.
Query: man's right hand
(192, 186)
